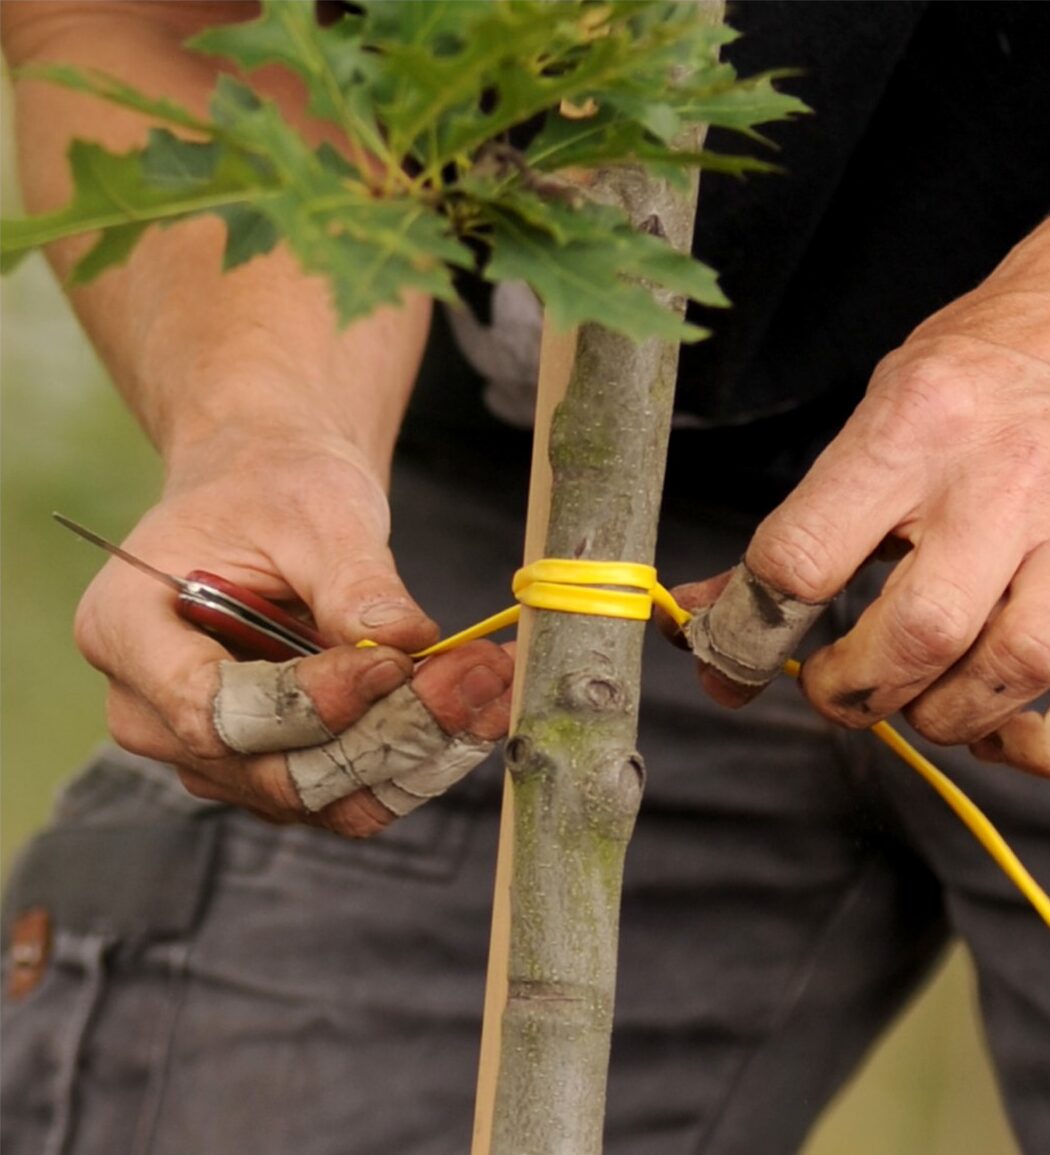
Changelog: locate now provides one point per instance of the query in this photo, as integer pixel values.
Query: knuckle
(357, 816)
(86, 632)
(275, 785)
(1022, 656)
(926, 397)
(201, 787)
(123, 727)
(195, 731)
(934, 726)
(931, 626)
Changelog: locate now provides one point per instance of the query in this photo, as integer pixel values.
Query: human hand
(947, 460)
(345, 739)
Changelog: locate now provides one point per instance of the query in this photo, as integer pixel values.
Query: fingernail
(381, 679)
(386, 613)
(481, 685)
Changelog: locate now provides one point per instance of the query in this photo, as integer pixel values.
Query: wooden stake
(557, 355)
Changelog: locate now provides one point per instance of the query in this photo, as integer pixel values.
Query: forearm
(193, 350)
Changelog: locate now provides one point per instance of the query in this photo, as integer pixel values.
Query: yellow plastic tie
(606, 589)
(629, 590)
(978, 823)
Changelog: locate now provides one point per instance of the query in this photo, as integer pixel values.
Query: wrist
(279, 456)
(259, 348)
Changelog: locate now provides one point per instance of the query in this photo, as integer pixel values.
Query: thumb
(799, 558)
(748, 633)
(360, 596)
(348, 578)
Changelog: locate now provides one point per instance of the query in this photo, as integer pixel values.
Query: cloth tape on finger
(260, 707)
(432, 778)
(751, 630)
(398, 749)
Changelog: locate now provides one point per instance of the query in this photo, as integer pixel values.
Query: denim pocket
(107, 895)
(44, 1034)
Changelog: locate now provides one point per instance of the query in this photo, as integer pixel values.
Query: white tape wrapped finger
(260, 707)
(751, 630)
(403, 794)
(398, 748)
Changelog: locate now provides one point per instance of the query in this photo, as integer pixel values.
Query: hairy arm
(948, 456)
(275, 426)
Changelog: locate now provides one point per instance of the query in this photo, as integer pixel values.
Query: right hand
(301, 520)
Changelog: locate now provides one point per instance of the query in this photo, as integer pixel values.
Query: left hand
(947, 457)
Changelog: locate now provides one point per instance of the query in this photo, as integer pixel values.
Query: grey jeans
(219, 985)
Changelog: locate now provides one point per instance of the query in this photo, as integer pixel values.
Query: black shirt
(926, 158)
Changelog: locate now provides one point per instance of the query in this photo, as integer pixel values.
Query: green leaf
(369, 248)
(112, 248)
(429, 89)
(114, 197)
(333, 61)
(592, 279)
(108, 88)
(171, 163)
(371, 251)
(249, 233)
(743, 104)
(606, 139)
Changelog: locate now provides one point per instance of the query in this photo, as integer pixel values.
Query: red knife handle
(249, 624)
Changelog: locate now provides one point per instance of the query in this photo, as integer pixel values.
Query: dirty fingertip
(670, 629)
(723, 691)
(989, 748)
(697, 595)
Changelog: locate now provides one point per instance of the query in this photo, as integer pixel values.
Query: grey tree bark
(577, 777)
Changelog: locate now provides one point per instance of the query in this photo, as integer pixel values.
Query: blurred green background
(68, 445)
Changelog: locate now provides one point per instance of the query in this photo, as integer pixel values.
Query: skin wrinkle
(187, 375)
(276, 436)
(797, 552)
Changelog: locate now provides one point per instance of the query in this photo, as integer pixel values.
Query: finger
(355, 594)
(438, 728)
(200, 786)
(359, 815)
(928, 615)
(408, 749)
(266, 706)
(1004, 671)
(478, 712)
(805, 552)
(799, 558)
(262, 706)
(699, 597)
(128, 628)
(858, 491)
(1022, 742)
(691, 596)
(744, 638)
(137, 727)
(467, 690)
(425, 741)
(262, 785)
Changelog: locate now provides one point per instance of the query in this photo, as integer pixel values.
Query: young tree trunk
(577, 778)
